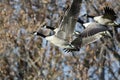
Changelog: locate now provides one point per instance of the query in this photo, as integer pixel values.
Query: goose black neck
(40, 34)
(80, 21)
(90, 16)
(49, 27)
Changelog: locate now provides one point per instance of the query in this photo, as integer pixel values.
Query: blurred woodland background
(24, 56)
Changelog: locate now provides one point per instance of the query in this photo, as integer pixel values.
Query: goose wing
(109, 13)
(92, 29)
(70, 18)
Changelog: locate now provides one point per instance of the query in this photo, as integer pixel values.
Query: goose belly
(57, 41)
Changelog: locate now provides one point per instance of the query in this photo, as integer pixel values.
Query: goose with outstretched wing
(66, 28)
(93, 32)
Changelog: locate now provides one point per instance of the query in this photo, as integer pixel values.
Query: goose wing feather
(109, 13)
(92, 29)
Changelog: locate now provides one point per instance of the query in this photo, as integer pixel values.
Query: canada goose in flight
(93, 32)
(58, 39)
(65, 28)
(108, 17)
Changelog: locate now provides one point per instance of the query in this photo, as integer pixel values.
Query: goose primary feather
(108, 17)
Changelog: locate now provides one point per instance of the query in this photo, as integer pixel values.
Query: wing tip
(109, 10)
(110, 13)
